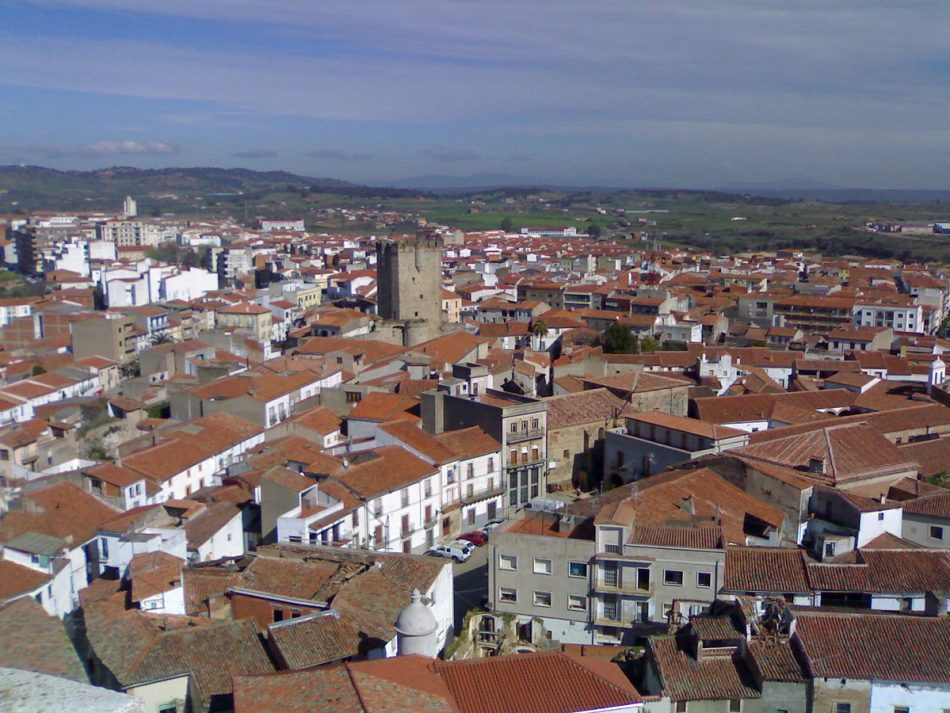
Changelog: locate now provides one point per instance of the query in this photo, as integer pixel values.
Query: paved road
(471, 583)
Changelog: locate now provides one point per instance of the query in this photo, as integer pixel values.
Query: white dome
(416, 619)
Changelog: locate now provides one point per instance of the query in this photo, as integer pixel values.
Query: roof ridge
(831, 455)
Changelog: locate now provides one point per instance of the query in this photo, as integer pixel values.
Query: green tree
(37, 370)
(594, 230)
(506, 224)
(618, 339)
(539, 328)
(648, 344)
(163, 338)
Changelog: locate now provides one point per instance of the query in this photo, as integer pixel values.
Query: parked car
(476, 537)
(491, 525)
(458, 551)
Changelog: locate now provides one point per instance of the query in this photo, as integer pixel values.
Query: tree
(539, 328)
(648, 344)
(618, 339)
(594, 230)
(163, 338)
(37, 370)
(506, 224)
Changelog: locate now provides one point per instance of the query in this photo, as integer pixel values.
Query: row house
(264, 399)
(194, 455)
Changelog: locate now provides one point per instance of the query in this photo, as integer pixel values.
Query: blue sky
(674, 93)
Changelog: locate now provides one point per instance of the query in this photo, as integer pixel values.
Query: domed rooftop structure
(416, 628)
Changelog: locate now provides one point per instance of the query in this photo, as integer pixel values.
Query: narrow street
(471, 583)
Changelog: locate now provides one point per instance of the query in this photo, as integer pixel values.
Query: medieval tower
(409, 286)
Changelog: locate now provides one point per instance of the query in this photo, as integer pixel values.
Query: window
(470, 471)
(673, 577)
(542, 566)
(404, 497)
(577, 569)
(880, 516)
(491, 464)
(704, 579)
(830, 552)
(565, 454)
(576, 602)
(735, 705)
(168, 708)
(534, 424)
(842, 708)
(509, 562)
(507, 594)
(901, 709)
(681, 706)
(105, 548)
(542, 599)
(936, 532)
(514, 427)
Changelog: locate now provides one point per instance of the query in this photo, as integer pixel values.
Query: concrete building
(519, 423)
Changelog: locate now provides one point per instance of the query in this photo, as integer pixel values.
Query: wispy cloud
(105, 149)
(255, 154)
(339, 155)
(447, 155)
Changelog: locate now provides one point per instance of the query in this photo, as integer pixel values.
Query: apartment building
(519, 423)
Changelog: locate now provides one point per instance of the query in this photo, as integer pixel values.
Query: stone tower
(409, 286)
(416, 629)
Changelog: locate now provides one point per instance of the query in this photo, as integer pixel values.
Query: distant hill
(795, 189)
(35, 187)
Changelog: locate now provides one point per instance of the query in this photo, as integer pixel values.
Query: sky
(677, 93)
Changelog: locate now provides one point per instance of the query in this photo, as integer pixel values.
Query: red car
(476, 537)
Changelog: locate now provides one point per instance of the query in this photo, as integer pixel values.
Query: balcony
(482, 495)
(622, 587)
(519, 436)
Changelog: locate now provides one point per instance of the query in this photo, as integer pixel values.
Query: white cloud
(105, 149)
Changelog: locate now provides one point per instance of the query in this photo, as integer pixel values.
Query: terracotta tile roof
(910, 416)
(15, 579)
(885, 572)
(849, 452)
(663, 501)
(385, 407)
(420, 441)
(468, 443)
(62, 510)
(137, 651)
(202, 528)
(320, 420)
(687, 425)
(327, 689)
(766, 570)
(550, 682)
(372, 350)
(637, 382)
(933, 457)
(593, 405)
(702, 538)
(775, 660)
(684, 678)
(861, 646)
(153, 573)
(327, 636)
(392, 468)
(32, 640)
(243, 308)
(936, 505)
(759, 407)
